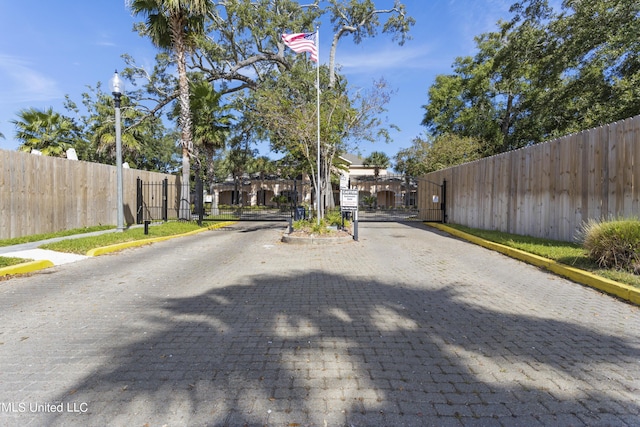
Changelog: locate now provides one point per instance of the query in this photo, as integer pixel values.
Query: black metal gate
(283, 209)
(394, 198)
(433, 200)
(366, 214)
(399, 198)
(244, 213)
(152, 201)
(155, 202)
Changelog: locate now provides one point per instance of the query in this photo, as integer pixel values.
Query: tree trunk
(332, 54)
(506, 123)
(327, 191)
(185, 197)
(184, 119)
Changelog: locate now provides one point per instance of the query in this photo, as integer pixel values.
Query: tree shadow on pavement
(323, 349)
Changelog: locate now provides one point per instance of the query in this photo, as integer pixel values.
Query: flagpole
(319, 190)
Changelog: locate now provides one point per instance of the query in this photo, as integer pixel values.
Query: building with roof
(383, 191)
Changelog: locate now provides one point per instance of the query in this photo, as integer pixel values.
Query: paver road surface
(407, 327)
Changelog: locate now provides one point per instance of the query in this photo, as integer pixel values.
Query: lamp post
(117, 87)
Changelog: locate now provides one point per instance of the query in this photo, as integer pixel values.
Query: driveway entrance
(407, 327)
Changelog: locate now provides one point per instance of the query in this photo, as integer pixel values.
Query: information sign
(344, 182)
(349, 200)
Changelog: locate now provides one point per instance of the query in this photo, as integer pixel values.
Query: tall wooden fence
(40, 194)
(548, 190)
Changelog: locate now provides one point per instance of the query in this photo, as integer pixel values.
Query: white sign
(344, 182)
(349, 200)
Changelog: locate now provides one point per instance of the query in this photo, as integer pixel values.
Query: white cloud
(445, 30)
(476, 18)
(20, 83)
(105, 43)
(390, 56)
(105, 39)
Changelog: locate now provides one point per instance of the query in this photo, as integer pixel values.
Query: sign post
(349, 203)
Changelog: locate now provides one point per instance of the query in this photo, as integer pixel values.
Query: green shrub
(613, 244)
(280, 200)
(311, 226)
(300, 224)
(369, 201)
(334, 217)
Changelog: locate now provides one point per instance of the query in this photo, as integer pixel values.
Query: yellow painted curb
(120, 246)
(25, 267)
(626, 292)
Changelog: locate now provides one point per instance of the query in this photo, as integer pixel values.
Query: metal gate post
(199, 205)
(443, 206)
(165, 199)
(355, 225)
(139, 201)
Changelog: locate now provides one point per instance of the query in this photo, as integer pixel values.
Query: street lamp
(117, 88)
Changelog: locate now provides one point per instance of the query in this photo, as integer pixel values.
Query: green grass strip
(46, 236)
(82, 245)
(9, 261)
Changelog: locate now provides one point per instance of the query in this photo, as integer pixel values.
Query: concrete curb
(25, 267)
(316, 240)
(620, 290)
(31, 266)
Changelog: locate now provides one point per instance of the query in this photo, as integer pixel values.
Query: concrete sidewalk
(31, 250)
(56, 258)
(407, 327)
(44, 258)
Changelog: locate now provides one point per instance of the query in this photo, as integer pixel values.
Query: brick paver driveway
(231, 327)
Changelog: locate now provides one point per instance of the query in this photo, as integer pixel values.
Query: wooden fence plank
(5, 193)
(505, 189)
(635, 168)
(626, 167)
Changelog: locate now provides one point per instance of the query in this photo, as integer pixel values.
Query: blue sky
(53, 48)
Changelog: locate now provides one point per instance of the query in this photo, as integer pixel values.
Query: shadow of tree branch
(323, 348)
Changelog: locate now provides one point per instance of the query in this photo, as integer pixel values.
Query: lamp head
(116, 84)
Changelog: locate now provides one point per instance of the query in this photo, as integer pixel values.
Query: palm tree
(103, 135)
(211, 126)
(174, 25)
(378, 160)
(263, 166)
(239, 158)
(47, 131)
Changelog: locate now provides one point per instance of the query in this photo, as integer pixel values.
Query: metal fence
(395, 198)
(152, 200)
(247, 213)
(388, 215)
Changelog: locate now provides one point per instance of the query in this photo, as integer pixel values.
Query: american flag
(302, 42)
